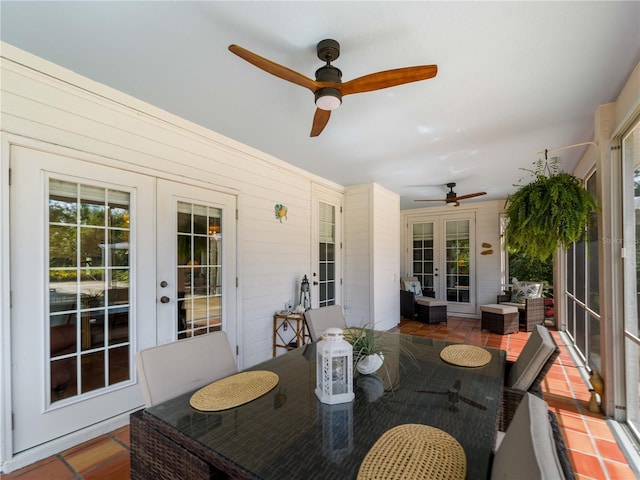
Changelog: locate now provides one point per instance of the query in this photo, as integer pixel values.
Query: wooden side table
(289, 331)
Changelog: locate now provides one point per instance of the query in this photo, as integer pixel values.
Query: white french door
(76, 292)
(441, 255)
(326, 249)
(196, 271)
(97, 255)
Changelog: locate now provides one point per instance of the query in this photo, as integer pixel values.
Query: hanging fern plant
(552, 211)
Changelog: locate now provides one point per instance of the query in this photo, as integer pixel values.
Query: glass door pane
(199, 269)
(457, 255)
(631, 158)
(88, 289)
(327, 255)
(423, 256)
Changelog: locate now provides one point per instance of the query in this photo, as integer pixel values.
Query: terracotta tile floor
(593, 451)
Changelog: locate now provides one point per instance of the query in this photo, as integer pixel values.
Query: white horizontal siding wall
(357, 256)
(372, 260)
(52, 105)
(487, 223)
(386, 257)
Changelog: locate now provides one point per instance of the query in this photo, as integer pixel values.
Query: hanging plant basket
(552, 211)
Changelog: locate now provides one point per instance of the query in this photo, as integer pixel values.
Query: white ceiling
(514, 78)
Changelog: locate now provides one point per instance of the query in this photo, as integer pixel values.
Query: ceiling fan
(328, 87)
(452, 197)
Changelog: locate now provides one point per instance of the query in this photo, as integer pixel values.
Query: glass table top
(288, 433)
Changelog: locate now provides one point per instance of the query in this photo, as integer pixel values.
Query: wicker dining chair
(319, 319)
(532, 447)
(527, 372)
(171, 369)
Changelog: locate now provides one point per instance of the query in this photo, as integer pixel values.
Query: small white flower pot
(370, 363)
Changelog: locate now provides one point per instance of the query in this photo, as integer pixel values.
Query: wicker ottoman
(502, 319)
(430, 310)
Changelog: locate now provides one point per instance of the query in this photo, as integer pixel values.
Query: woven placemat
(233, 391)
(414, 451)
(465, 355)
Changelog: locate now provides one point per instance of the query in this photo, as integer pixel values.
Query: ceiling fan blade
(388, 78)
(471, 195)
(432, 200)
(274, 68)
(320, 120)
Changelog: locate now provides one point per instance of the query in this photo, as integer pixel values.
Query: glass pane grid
(87, 239)
(199, 271)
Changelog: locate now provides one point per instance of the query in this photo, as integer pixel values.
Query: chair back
(319, 319)
(529, 449)
(534, 361)
(168, 370)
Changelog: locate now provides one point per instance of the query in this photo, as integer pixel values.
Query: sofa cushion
(412, 284)
(528, 449)
(522, 290)
(431, 302)
(499, 308)
(533, 357)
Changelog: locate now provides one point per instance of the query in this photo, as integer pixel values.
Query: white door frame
(320, 194)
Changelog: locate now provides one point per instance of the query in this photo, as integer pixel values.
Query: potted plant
(552, 211)
(370, 347)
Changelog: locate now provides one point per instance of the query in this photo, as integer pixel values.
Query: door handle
(315, 283)
(164, 299)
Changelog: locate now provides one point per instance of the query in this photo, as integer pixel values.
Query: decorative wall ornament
(281, 212)
(486, 245)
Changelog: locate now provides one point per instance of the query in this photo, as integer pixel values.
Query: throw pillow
(523, 290)
(412, 284)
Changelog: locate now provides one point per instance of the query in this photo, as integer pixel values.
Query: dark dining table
(288, 434)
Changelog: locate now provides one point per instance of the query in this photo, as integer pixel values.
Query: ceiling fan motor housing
(328, 73)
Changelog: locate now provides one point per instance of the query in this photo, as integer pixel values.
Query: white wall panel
(57, 106)
(372, 261)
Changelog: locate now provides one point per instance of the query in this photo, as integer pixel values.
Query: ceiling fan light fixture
(328, 98)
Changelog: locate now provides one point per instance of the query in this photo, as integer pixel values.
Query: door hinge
(341, 209)
(237, 351)
(10, 299)
(236, 214)
(13, 421)
(10, 176)
(616, 147)
(237, 283)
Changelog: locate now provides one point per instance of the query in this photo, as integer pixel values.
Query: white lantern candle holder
(334, 368)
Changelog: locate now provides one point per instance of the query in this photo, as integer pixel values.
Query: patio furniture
(532, 448)
(501, 319)
(416, 304)
(288, 434)
(173, 368)
(319, 319)
(528, 371)
(527, 297)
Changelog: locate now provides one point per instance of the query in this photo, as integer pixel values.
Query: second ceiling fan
(328, 88)
(452, 197)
